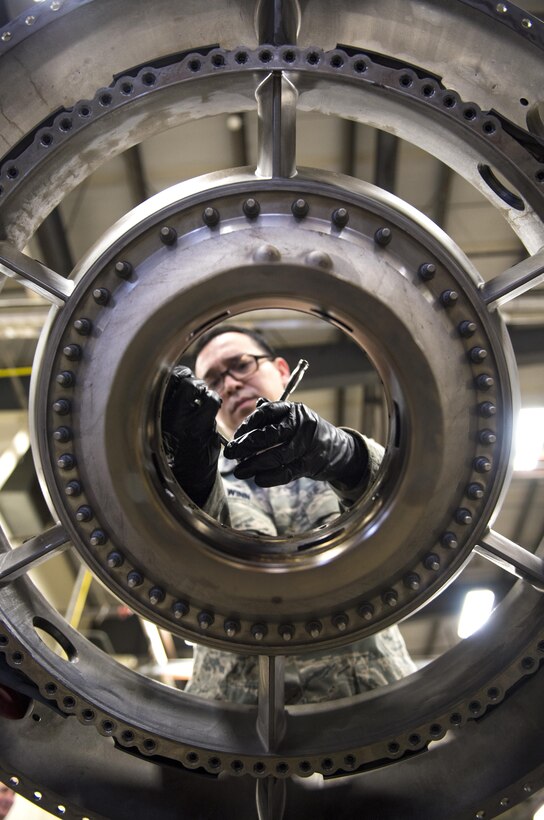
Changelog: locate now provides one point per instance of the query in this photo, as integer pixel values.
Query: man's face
(240, 396)
(6, 800)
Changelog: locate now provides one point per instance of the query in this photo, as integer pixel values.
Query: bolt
(123, 269)
(83, 326)
(463, 516)
(314, 629)
(210, 216)
(231, 628)
(413, 581)
(62, 407)
(432, 561)
(72, 352)
(205, 620)
(449, 540)
(98, 537)
(62, 434)
(287, 631)
(482, 464)
(66, 461)
(383, 236)
(300, 208)
(156, 595)
(168, 235)
(477, 354)
(180, 609)
(114, 560)
(319, 259)
(366, 611)
(258, 631)
(487, 437)
(340, 217)
(475, 491)
(66, 378)
(340, 621)
(267, 253)
(101, 296)
(134, 579)
(84, 513)
(467, 329)
(251, 208)
(485, 381)
(427, 271)
(449, 297)
(73, 488)
(487, 409)
(390, 598)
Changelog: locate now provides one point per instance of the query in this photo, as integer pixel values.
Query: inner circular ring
(361, 563)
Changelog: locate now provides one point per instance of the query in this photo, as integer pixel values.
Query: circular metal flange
(399, 288)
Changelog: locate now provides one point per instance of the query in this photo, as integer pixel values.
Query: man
(288, 470)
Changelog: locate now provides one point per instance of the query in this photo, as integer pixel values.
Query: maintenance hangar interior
(449, 128)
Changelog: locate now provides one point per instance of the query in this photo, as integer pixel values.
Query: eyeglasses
(240, 368)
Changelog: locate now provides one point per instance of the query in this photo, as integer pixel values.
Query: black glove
(281, 441)
(189, 433)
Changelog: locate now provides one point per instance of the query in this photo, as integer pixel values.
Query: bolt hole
(436, 730)
(449, 101)
(539, 176)
(456, 719)
(36, 718)
(489, 127)
(194, 65)
(150, 79)
(126, 89)
(428, 90)
(218, 60)
(84, 111)
(289, 56)
(12, 172)
(241, 58)
(360, 66)
(46, 140)
(65, 124)
(69, 702)
(406, 81)
(469, 114)
(523, 101)
(105, 100)
(265, 57)
(312, 57)
(337, 61)
(393, 748)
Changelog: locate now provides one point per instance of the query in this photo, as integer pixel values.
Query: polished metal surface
(358, 258)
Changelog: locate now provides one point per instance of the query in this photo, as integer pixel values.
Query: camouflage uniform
(292, 508)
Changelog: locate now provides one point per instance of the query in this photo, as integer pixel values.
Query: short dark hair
(254, 334)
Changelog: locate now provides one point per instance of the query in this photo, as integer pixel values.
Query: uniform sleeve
(375, 453)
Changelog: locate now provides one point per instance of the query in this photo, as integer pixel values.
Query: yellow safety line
(81, 599)
(9, 372)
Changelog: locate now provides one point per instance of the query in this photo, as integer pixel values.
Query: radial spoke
(278, 21)
(270, 795)
(515, 281)
(271, 724)
(512, 558)
(33, 552)
(276, 108)
(271, 714)
(33, 275)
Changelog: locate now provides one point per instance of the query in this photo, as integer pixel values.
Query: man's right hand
(189, 431)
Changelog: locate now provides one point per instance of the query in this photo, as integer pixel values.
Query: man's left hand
(281, 441)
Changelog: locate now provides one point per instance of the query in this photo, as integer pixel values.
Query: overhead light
(477, 608)
(539, 814)
(529, 441)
